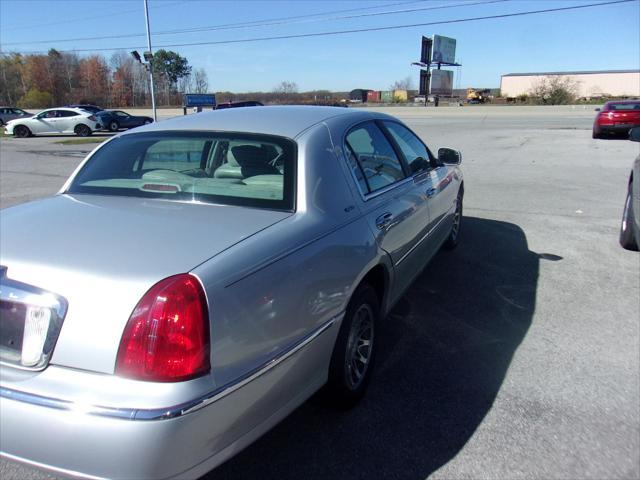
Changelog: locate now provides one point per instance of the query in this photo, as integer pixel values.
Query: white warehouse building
(600, 83)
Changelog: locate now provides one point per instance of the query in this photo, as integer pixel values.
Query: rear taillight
(167, 336)
(93, 118)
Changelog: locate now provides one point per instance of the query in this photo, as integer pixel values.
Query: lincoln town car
(197, 279)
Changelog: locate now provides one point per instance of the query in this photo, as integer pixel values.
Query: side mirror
(634, 134)
(449, 156)
(597, 109)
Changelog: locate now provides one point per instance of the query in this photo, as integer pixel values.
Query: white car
(55, 120)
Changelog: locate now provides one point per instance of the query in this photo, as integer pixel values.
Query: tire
(595, 134)
(627, 237)
(21, 131)
(113, 126)
(147, 122)
(82, 130)
(349, 376)
(452, 240)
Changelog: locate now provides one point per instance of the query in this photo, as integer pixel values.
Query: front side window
(224, 168)
(377, 162)
(413, 149)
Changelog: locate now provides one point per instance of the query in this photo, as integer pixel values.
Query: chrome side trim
(175, 410)
(417, 244)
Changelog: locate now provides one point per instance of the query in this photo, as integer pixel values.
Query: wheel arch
(378, 277)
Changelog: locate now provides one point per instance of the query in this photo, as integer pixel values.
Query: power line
(283, 21)
(74, 20)
(361, 30)
(122, 12)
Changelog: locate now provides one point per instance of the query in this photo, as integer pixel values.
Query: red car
(616, 118)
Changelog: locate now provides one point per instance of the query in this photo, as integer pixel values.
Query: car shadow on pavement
(444, 352)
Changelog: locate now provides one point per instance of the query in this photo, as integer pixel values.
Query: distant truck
(477, 95)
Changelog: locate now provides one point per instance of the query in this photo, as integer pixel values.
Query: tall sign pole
(153, 95)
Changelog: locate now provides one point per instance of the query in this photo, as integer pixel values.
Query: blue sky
(606, 37)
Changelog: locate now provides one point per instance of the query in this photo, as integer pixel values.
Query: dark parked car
(616, 118)
(11, 113)
(249, 103)
(114, 120)
(630, 227)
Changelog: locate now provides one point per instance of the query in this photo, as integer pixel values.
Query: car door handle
(431, 192)
(384, 220)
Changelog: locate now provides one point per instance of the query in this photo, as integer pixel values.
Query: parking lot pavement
(514, 356)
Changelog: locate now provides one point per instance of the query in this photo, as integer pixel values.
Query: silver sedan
(196, 280)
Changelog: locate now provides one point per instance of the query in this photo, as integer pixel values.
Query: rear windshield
(623, 106)
(224, 168)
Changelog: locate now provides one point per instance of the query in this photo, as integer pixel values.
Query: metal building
(597, 83)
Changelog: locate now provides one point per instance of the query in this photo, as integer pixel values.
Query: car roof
(622, 101)
(286, 121)
(73, 109)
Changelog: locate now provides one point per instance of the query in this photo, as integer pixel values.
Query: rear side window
(224, 168)
(67, 113)
(372, 159)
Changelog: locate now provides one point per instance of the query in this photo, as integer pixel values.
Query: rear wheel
(452, 240)
(21, 131)
(595, 134)
(114, 126)
(627, 237)
(82, 130)
(354, 352)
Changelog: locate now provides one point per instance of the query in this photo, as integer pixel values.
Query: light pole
(150, 60)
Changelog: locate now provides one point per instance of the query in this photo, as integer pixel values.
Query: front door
(395, 213)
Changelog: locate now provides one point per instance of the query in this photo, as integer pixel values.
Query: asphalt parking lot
(514, 356)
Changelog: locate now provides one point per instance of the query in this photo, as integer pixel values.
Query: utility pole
(153, 95)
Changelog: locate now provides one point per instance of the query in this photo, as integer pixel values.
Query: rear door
(67, 120)
(396, 215)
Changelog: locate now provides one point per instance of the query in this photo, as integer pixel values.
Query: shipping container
(386, 96)
(358, 95)
(400, 95)
(373, 96)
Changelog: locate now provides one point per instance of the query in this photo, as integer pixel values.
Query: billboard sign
(200, 100)
(444, 49)
(441, 82)
(425, 54)
(424, 82)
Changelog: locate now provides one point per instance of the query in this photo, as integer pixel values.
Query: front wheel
(452, 240)
(147, 122)
(21, 131)
(82, 130)
(627, 237)
(354, 351)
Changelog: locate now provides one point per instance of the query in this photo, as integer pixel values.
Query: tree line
(59, 78)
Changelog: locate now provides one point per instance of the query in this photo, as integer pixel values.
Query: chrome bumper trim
(176, 410)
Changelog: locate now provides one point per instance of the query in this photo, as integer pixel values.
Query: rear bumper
(615, 128)
(185, 441)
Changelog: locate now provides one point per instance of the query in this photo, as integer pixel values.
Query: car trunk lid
(101, 254)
